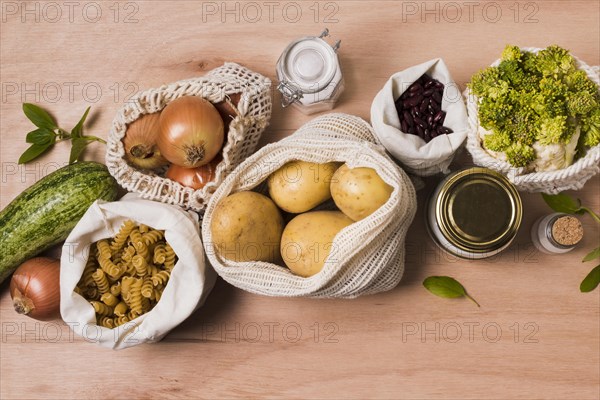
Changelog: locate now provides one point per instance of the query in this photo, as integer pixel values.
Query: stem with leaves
(568, 205)
(48, 133)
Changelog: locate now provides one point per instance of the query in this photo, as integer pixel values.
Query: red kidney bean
(419, 109)
(439, 116)
(415, 88)
(420, 131)
(404, 126)
(408, 118)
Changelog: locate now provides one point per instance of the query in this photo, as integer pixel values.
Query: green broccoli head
(555, 61)
(519, 154)
(553, 130)
(529, 63)
(497, 141)
(581, 103)
(484, 81)
(494, 113)
(511, 53)
(522, 125)
(578, 81)
(590, 129)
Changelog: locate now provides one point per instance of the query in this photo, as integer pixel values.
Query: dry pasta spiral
(125, 276)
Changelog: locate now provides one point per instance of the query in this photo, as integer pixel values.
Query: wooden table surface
(535, 335)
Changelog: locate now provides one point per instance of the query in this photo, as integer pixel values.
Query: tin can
(474, 213)
(309, 74)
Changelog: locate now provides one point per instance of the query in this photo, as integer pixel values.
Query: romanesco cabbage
(533, 100)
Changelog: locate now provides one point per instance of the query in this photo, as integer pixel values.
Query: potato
(247, 226)
(307, 240)
(299, 186)
(358, 192)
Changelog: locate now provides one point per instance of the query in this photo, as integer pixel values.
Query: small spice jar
(556, 233)
(474, 213)
(309, 74)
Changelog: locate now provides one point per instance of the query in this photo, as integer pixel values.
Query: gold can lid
(478, 210)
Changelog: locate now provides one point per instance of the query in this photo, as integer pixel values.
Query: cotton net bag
(367, 256)
(418, 157)
(252, 107)
(190, 282)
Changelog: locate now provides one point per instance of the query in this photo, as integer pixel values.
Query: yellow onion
(191, 132)
(35, 288)
(140, 142)
(196, 178)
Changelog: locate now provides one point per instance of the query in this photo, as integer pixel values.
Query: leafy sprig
(568, 205)
(447, 287)
(48, 133)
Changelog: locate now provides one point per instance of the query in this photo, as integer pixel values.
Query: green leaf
(447, 287)
(34, 151)
(39, 116)
(78, 129)
(41, 136)
(563, 203)
(77, 146)
(591, 281)
(592, 255)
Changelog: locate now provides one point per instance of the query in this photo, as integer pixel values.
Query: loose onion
(140, 142)
(196, 178)
(35, 288)
(191, 132)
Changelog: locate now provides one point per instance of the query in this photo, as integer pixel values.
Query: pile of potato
(248, 226)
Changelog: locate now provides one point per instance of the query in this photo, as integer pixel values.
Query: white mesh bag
(571, 178)
(369, 254)
(254, 112)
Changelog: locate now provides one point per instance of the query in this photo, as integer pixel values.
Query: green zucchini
(45, 213)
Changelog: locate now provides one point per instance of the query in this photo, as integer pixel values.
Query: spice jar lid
(478, 210)
(309, 63)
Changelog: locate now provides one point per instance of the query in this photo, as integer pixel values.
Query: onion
(191, 132)
(140, 142)
(196, 178)
(35, 288)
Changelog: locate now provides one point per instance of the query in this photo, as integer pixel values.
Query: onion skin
(140, 142)
(195, 178)
(191, 132)
(228, 109)
(35, 288)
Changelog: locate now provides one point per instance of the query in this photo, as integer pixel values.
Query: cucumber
(45, 213)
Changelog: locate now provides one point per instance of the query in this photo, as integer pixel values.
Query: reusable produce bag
(254, 113)
(367, 257)
(190, 283)
(418, 157)
(572, 177)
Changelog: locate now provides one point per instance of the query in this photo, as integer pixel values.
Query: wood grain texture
(404, 343)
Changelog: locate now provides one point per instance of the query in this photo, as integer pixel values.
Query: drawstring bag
(367, 256)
